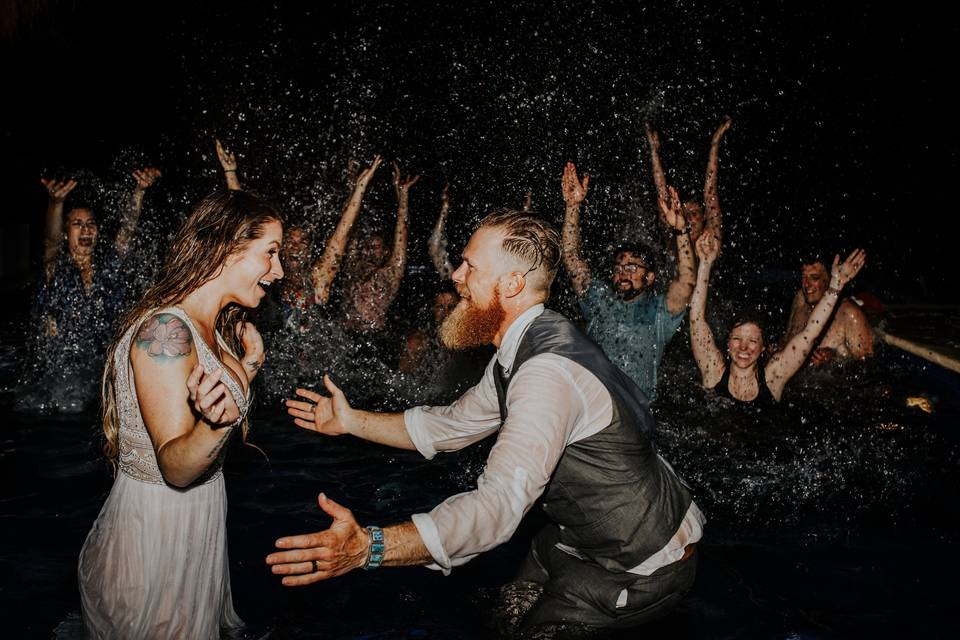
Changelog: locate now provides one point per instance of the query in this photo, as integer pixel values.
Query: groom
(619, 549)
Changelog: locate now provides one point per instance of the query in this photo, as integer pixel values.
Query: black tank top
(764, 396)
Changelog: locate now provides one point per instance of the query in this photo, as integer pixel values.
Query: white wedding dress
(154, 565)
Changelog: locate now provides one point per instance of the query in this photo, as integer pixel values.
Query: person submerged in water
(739, 376)
(84, 288)
(849, 335)
(631, 322)
(570, 426)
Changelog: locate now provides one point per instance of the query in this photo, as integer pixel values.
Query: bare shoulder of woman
(164, 337)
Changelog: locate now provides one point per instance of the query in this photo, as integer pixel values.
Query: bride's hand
(211, 398)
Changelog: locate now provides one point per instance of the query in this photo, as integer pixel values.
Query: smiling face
(478, 316)
(630, 275)
(745, 345)
(814, 281)
(81, 228)
(253, 269)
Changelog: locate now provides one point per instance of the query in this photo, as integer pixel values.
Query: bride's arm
(189, 413)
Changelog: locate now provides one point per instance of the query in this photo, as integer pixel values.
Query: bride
(175, 389)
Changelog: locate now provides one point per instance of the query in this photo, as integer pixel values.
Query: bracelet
(229, 170)
(833, 290)
(376, 548)
(682, 232)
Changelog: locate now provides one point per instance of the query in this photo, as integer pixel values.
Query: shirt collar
(511, 339)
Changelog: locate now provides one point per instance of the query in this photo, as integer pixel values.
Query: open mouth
(86, 242)
(265, 285)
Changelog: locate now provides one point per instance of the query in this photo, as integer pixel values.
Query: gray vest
(615, 500)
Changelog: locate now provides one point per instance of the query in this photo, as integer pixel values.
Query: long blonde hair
(222, 224)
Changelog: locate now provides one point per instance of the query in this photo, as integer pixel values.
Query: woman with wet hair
(175, 389)
(738, 376)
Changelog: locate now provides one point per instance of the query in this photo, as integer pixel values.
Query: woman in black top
(738, 376)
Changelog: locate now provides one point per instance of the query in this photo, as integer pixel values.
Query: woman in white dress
(175, 389)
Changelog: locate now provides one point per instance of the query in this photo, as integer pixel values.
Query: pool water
(831, 517)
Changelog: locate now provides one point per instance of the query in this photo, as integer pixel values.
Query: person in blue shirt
(82, 292)
(630, 322)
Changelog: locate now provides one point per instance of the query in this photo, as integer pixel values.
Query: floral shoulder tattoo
(166, 337)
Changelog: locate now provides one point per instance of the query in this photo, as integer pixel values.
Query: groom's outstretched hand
(328, 415)
(313, 557)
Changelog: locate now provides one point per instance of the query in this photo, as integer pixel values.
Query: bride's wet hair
(221, 224)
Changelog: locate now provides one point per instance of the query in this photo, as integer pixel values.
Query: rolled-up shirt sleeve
(543, 405)
(474, 416)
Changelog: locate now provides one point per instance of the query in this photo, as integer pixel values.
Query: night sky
(841, 135)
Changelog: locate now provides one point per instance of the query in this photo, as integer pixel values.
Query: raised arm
(128, 225)
(681, 287)
(325, 270)
(711, 201)
(397, 263)
(229, 163)
(786, 363)
(659, 178)
(705, 352)
(527, 201)
(574, 192)
(437, 244)
(57, 191)
(189, 412)
(793, 322)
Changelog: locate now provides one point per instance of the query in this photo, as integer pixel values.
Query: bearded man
(571, 427)
(631, 322)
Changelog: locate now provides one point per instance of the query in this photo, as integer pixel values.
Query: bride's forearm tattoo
(219, 445)
(165, 337)
(254, 365)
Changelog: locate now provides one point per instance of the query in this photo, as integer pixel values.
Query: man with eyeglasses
(627, 319)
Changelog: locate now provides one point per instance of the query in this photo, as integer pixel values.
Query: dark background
(841, 137)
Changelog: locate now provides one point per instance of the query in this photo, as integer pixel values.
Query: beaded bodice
(137, 458)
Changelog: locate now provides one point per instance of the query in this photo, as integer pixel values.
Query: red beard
(471, 326)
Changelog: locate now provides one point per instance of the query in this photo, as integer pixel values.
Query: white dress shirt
(553, 402)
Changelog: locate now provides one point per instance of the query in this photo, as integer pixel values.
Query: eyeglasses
(628, 268)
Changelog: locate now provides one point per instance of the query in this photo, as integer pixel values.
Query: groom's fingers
(302, 406)
(297, 413)
(310, 395)
(306, 424)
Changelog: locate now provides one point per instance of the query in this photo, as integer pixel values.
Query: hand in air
(324, 415)
(672, 212)
(574, 191)
(211, 398)
(400, 184)
(722, 129)
(58, 189)
(364, 176)
(841, 274)
(145, 177)
(653, 138)
(227, 160)
(708, 248)
(821, 356)
(312, 557)
(445, 200)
